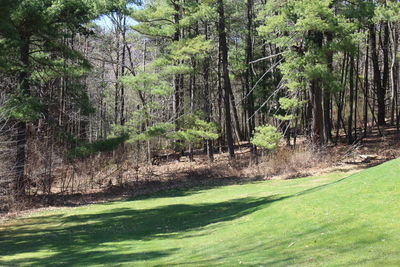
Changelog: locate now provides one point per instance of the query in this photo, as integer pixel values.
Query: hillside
(336, 219)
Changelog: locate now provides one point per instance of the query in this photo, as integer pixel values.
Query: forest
(199, 132)
(97, 93)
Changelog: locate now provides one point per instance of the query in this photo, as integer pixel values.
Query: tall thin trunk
(177, 107)
(340, 97)
(327, 96)
(249, 75)
(357, 69)
(207, 100)
(192, 87)
(386, 69)
(351, 102)
(366, 90)
(117, 88)
(394, 71)
(380, 90)
(316, 100)
(123, 67)
(21, 138)
(236, 117)
(223, 46)
(221, 139)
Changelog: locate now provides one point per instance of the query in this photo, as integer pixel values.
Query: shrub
(106, 145)
(267, 137)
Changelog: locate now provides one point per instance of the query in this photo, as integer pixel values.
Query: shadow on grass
(77, 238)
(198, 185)
(98, 257)
(188, 185)
(104, 237)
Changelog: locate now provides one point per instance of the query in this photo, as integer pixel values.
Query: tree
(223, 49)
(30, 29)
(309, 32)
(267, 137)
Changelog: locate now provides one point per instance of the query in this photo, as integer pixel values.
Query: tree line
(82, 77)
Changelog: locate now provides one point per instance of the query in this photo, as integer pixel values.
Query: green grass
(332, 220)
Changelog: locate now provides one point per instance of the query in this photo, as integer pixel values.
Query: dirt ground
(287, 163)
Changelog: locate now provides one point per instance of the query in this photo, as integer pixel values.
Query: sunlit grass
(332, 220)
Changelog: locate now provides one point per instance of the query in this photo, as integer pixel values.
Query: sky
(105, 23)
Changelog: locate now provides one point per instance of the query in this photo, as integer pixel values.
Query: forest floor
(336, 219)
(287, 163)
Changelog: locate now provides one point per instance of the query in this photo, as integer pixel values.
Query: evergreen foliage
(267, 137)
(87, 150)
(193, 73)
(193, 130)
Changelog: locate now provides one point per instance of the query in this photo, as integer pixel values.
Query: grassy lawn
(332, 220)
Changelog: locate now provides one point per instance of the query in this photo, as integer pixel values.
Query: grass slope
(332, 220)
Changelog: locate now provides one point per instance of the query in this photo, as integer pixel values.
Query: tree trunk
(221, 139)
(351, 102)
(385, 74)
(223, 46)
(327, 97)
(317, 119)
(123, 67)
(23, 81)
(316, 100)
(394, 71)
(366, 90)
(177, 109)
(207, 99)
(380, 91)
(236, 117)
(357, 70)
(249, 75)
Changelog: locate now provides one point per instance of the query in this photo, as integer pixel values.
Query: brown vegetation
(107, 177)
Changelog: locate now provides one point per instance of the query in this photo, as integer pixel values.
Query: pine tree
(309, 32)
(29, 30)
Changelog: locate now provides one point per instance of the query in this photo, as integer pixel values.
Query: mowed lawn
(332, 220)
